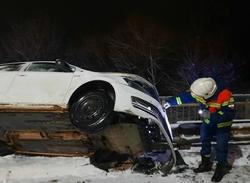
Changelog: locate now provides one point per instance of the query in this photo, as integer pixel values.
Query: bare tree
(36, 38)
(206, 61)
(89, 53)
(140, 47)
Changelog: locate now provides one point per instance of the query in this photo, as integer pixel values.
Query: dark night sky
(215, 17)
(228, 16)
(179, 13)
(211, 18)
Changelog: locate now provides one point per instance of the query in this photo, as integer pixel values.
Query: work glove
(204, 113)
(166, 105)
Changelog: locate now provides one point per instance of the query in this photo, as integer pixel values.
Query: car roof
(10, 63)
(40, 61)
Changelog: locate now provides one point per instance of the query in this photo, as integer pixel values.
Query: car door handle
(22, 75)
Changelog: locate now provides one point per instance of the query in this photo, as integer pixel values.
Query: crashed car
(58, 109)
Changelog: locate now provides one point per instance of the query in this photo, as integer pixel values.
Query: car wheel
(92, 112)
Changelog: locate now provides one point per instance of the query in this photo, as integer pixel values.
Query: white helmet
(203, 87)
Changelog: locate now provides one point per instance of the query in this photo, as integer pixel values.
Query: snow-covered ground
(24, 169)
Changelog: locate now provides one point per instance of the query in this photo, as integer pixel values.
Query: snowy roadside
(23, 169)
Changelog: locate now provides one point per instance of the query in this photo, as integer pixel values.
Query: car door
(7, 74)
(41, 83)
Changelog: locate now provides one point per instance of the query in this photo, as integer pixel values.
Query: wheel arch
(89, 86)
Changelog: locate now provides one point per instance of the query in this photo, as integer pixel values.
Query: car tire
(93, 111)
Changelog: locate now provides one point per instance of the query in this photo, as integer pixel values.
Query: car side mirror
(65, 64)
(73, 69)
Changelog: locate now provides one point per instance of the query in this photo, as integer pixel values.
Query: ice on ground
(24, 169)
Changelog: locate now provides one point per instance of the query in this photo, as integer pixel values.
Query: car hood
(126, 75)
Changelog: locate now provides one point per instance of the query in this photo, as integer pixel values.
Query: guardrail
(189, 112)
(185, 122)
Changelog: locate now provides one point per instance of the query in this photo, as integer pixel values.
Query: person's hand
(166, 105)
(205, 114)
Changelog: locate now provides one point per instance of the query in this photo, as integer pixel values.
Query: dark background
(170, 43)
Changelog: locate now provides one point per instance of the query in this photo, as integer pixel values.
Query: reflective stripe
(231, 99)
(225, 103)
(220, 112)
(224, 124)
(200, 99)
(214, 104)
(207, 121)
(229, 102)
(178, 100)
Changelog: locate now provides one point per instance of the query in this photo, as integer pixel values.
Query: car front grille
(150, 109)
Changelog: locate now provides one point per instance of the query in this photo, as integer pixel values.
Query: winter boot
(205, 166)
(220, 171)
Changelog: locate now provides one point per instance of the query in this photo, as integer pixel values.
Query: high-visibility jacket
(220, 106)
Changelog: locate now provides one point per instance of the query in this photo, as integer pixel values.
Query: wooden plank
(123, 138)
(32, 108)
(53, 154)
(42, 135)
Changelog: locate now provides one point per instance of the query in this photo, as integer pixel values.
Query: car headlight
(142, 86)
(135, 84)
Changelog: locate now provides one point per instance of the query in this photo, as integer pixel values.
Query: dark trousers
(222, 136)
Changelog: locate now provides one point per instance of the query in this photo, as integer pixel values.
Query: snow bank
(23, 169)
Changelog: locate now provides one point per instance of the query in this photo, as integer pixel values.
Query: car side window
(47, 67)
(11, 67)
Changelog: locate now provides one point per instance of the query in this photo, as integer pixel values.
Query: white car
(92, 98)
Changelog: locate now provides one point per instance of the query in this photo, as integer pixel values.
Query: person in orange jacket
(217, 112)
